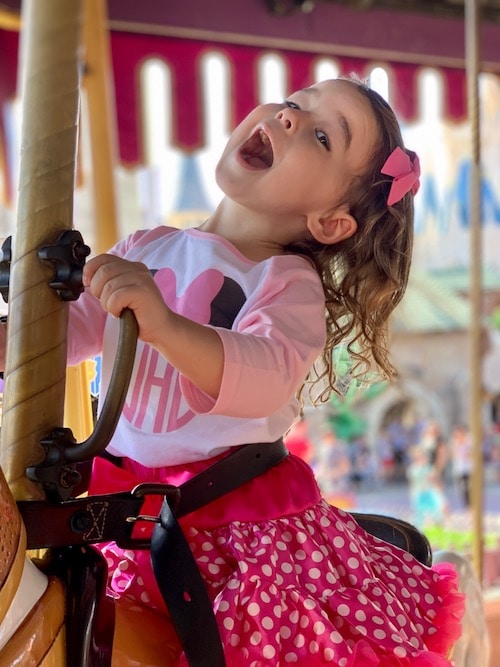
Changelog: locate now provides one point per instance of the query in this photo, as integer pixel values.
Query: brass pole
(36, 336)
(473, 68)
(98, 88)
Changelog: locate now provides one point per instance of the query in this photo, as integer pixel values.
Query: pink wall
(397, 35)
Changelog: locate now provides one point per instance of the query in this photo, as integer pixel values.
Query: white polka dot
(309, 603)
(228, 623)
(267, 623)
(304, 621)
(328, 654)
(317, 556)
(338, 542)
(265, 597)
(319, 628)
(360, 615)
(291, 657)
(343, 610)
(400, 652)
(313, 647)
(255, 638)
(336, 637)
(123, 565)
(429, 598)
(299, 641)
(379, 634)
(300, 554)
(396, 638)
(253, 609)
(314, 573)
(267, 570)
(286, 568)
(268, 651)
(361, 629)
(285, 632)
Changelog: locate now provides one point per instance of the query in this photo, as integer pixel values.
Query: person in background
(462, 461)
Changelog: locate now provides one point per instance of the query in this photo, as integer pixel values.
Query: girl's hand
(119, 283)
(194, 349)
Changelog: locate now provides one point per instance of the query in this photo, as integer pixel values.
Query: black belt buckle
(169, 492)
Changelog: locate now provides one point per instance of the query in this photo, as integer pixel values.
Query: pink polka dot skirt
(310, 588)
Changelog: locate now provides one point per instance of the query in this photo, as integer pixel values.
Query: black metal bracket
(57, 473)
(67, 257)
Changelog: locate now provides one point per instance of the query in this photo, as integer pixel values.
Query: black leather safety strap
(111, 517)
(184, 593)
(175, 568)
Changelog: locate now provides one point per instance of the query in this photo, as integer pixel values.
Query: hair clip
(405, 169)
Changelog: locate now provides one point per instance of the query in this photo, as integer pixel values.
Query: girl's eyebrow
(344, 125)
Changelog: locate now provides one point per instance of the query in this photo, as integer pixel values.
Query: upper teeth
(263, 137)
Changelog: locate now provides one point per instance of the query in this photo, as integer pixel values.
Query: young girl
(317, 218)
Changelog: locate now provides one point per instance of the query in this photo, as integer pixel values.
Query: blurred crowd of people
(418, 454)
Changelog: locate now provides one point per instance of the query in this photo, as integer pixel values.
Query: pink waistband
(287, 488)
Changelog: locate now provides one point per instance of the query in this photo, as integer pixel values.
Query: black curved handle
(115, 396)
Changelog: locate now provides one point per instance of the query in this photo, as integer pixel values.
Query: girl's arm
(194, 349)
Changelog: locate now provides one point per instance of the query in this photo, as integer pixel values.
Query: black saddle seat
(397, 532)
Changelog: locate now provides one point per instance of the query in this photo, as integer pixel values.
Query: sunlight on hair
(272, 79)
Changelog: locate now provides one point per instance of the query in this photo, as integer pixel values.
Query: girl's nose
(287, 117)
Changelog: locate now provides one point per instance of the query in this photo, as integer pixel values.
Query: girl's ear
(332, 227)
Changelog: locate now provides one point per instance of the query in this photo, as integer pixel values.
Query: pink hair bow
(406, 173)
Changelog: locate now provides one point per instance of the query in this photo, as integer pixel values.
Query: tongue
(257, 154)
(257, 161)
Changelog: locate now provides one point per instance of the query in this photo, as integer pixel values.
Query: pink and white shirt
(270, 316)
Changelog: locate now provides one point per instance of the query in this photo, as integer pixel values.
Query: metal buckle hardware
(170, 493)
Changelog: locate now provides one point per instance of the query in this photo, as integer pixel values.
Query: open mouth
(257, 151)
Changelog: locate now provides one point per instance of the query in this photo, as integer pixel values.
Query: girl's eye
(323, 138)
(291, 105)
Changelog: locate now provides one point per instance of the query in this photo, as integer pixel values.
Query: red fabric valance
(130, 51)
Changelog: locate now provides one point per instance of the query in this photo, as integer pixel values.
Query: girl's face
(298, 158)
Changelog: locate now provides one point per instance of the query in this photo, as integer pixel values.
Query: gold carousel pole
(472, 59)
(97, 86)
(36, 336)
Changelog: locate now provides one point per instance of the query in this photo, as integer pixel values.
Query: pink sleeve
(271, 348)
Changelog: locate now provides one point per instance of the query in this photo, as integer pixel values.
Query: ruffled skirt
(296, 581)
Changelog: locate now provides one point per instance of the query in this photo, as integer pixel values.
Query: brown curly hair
(365, 276)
